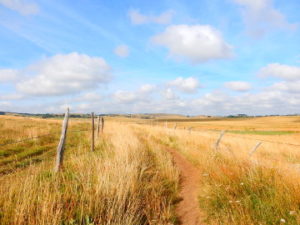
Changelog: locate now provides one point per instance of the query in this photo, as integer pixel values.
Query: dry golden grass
(237, 188)
(125, 181)
(129, 179)
(22, 154)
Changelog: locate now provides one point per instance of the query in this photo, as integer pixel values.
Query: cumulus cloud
(138, 18)
(147, 88)
(196, 43)
(238, 85)
(89, 96)
(141, 94)
(11, 96)
(8, 75)
(187, 85)
(21, 6)
(64, 74)
(268, 101)
(122, 51)
(285, 72)
(288, 86)
(125, 96)
(260, 16)
(169, 94)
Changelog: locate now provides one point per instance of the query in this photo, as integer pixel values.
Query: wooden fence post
(93, 133)
(255, 148)
(102, 124)
(219, 139)
(61, 145)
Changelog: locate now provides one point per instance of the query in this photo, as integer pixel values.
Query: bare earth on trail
(188, 209)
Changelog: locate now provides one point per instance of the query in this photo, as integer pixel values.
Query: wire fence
(229, 134)
(264, 140)
(61, 135)
(40, 136)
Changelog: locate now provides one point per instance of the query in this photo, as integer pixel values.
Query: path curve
(188, 209)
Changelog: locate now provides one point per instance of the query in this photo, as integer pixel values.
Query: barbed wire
(26, 139)
(249, 138)
(256, 139)
(238, 136)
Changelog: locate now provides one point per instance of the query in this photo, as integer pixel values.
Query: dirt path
(187, 209)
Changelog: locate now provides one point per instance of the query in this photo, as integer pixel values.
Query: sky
(199, 57)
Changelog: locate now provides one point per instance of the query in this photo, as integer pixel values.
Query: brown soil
(188, 209)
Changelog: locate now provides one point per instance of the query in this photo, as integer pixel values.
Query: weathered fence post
(255, 148)
(61, 145)
(219, 140)
(102, 124)
(175, 126)
(93, 133)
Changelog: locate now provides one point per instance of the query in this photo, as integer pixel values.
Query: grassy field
(131, 179)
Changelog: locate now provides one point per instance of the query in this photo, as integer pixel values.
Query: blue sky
(214, 57)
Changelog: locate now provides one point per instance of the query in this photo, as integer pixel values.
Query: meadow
(139, 171)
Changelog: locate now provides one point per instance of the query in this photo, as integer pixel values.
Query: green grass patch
(262, 132)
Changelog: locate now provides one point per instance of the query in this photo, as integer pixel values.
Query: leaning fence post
(255, 148)
(61, 145)
(219, 139)
(93, 133)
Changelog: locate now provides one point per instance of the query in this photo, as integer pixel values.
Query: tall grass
(236, 188)
(125, 181)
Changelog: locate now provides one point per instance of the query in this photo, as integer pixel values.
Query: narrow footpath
(188, 209)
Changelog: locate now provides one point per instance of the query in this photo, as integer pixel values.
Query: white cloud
(89, 96)
(260, 16)
(21, 6)
(270, 100)
(147, 88)
(13, 96)
(188, 85)
(197, 43)
(138, 18)
(8, 75)
(64, 74)
(122, 51)
(285, 72)
(141, 94)
(125, 96)
(238, 85)
(169, 94)
(288, 86)
(5, 104)
(254, 4)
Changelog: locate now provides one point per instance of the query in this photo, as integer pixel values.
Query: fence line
(64, 132)
(27, 139)
(239, 136)
(40, 136)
